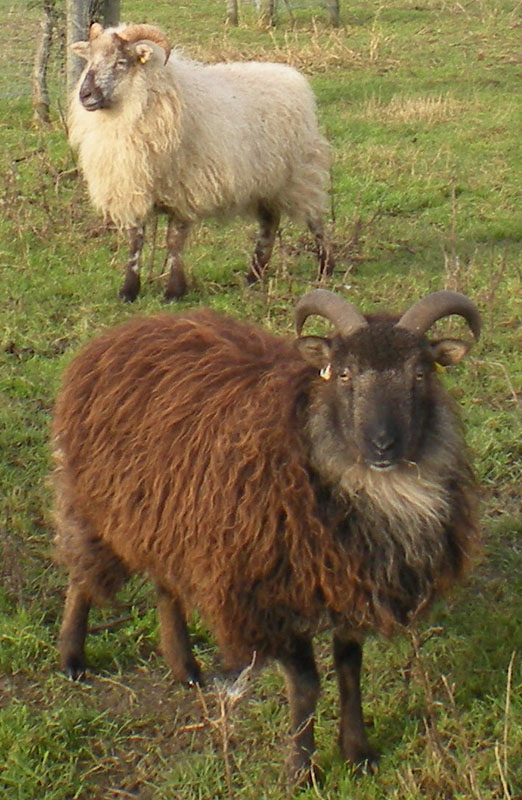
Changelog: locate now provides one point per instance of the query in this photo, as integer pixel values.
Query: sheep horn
(346, 318)
(136, 33)
(421, 316)
(95, 30)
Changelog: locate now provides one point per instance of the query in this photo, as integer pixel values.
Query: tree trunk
(77, 27)
(232, 12)
(332, 6)
(111, 13)
(41, 102)
(267, 15)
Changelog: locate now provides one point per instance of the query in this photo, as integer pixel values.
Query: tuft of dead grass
(405, 109)
(316, 51)
(227, 695)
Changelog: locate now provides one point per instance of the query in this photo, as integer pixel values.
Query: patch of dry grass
(407, 109)
(313, 51)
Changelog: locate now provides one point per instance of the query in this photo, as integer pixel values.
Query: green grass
(421, 100)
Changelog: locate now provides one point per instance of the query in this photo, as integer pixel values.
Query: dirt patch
(157, 722)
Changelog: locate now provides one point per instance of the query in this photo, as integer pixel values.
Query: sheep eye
(121, 63)
(344, 375)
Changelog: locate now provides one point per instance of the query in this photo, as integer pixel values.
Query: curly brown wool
(209, 455)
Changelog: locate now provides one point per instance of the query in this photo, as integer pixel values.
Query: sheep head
(114, 56)
(378, 401)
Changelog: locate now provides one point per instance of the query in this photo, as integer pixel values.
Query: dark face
(385, 406)
(377, 395)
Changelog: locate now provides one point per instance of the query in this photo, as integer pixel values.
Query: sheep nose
(91, 96)
(85, 92)
(383, 448)
(384, 441)
(87, 86)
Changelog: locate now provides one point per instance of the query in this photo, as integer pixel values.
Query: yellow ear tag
(142, 59)
(439, 367)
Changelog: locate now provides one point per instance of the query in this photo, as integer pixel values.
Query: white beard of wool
(404, 512)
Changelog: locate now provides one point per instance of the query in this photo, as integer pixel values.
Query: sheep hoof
(188, 675)
(171, 298)
(75, 669)
(194, 681)
(127, 297)
(303, 775)
(366, 763)
(131, 288)
(193, 676)
(176, 287)
(252, 276)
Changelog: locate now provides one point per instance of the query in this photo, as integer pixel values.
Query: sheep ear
(316, 350)
(143, 52)
(81, 49)
(449, 351)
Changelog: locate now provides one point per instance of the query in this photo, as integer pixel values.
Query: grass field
(422, 102)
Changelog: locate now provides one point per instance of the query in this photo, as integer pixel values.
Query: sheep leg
(71, 643)
(302, 682)
(131, 285)
(325, 257)
(352, 736)
(175, 640)
(177, 233)
(268, 225)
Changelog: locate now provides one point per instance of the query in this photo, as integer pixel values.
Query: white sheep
(157, 132)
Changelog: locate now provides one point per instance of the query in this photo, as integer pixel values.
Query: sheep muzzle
(91, 96)
(383, 445)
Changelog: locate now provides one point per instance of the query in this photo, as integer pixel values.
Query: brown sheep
(277, 488)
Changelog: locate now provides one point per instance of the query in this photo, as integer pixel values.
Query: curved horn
(95, 30)
(136, 33)
(421, 316)
(346, 318)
